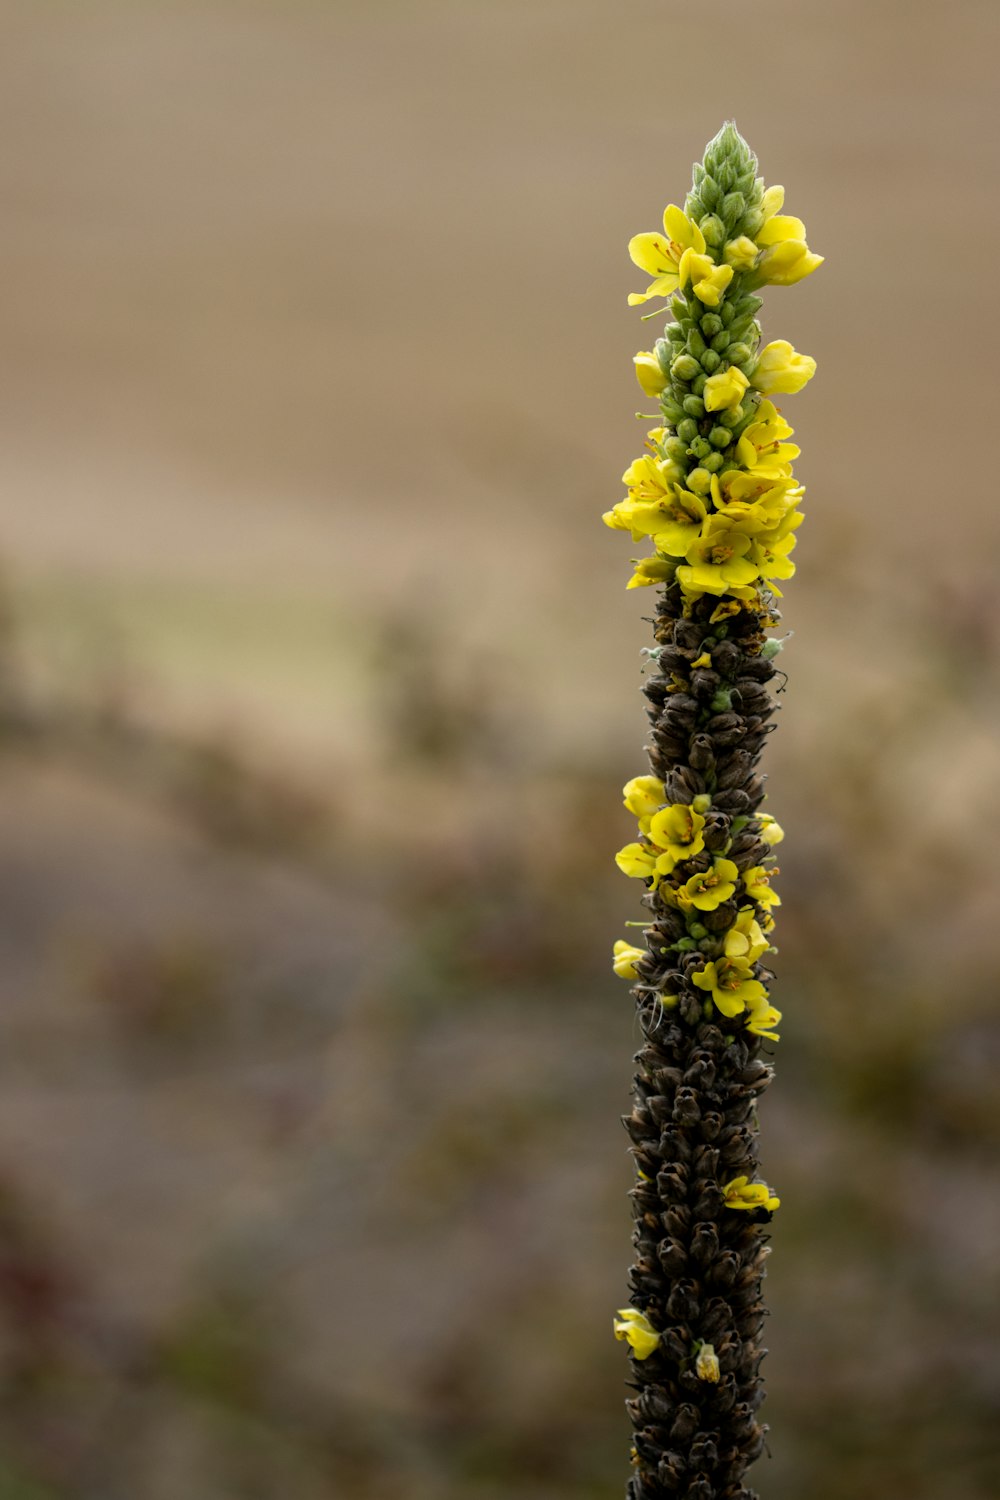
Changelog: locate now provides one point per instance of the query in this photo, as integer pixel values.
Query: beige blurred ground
(319, 684)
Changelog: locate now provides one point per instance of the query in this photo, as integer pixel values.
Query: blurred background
(319, 681)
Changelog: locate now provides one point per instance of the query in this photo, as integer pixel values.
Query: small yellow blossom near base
(624, 959)
(635, 1329)
(643, 796)
(741, 1193)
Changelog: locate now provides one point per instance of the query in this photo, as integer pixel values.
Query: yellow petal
(781, 227)
(682, 230)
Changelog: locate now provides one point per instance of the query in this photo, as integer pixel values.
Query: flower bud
(713, 229)
(706, 1365)
(685, 367)
(710, 361)
(699, 481)
(741, 254)
(700, 447)
(733, 208)
(721, 341)
(739, 353)
(712, 462)
(687, 429)
(695, 343)
(694, 406)
(720, 437)
(711, 324)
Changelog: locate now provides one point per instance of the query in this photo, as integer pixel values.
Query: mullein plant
(715, 495)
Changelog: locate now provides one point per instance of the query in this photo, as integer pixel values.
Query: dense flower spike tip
(715, 497)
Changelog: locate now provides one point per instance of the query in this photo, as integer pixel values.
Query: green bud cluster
(725, 203)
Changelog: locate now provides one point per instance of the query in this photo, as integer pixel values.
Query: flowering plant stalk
(715, 494)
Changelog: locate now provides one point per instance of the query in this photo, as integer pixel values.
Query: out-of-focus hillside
(318, 681)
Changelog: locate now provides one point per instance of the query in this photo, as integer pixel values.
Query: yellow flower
(677, 830)
(762, 448)
(780, 370)
(731, 985)
(770, 553)
(660, 254)
(649, 373)
(724, 611)
(755, 883)
(651, 500)
(785, 263)
(745, 939)
(643, 795)
(637, 860)
(649, 570)
(742, 1193)
(718, 561)
(625, 958)
(706, 1365)
(763, 1018)
(724, 389)
(754, 503)
(741, 254)
(709, 889)
(771, 830)
(708, 281)
(636, 1329)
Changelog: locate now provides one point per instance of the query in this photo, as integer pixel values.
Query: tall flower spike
(720, 506)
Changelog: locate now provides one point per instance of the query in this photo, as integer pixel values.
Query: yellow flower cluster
(715, 494)
(670, 834)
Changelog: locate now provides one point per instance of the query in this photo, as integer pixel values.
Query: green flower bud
(747, 304)
(732, 417)
(687, 430)
(694, 406)
(771, 647)
(738, 354)
(726, 314)
(675, 333)
(727, 467)
(694, 207)
(699, 447)
(671, 409)
(700, 481)
(675, 450)
(698, 384)
(663, 355)
(721, 342)
(710, 361)
(711, 324)
(712, 462)
(709, 191)
(720, 437)
(695, 343)
(733, 209)
(685, 367)
(740, 327)
(698, 931)
(722, 701)
(713, 229)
